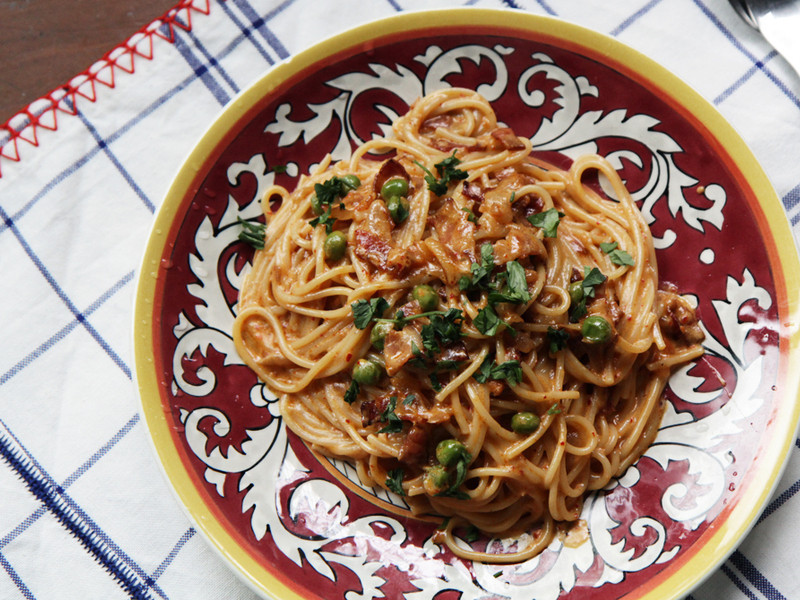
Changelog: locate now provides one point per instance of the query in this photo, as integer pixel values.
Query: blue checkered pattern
(85, 510)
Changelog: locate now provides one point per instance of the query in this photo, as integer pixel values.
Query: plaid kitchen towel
(86, 512)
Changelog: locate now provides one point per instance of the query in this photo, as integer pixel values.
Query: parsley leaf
(365, 312)
(516, 288)
(278, 169)
(409, 400)
(617, 256)
(554, 410)
(460, 476)
(557, 338)
(352, 392)
(252, 233)
(472, 534)
(481, 272)
(487, 321)
(327, 193)
(394, 481)
(324, 219)
(447, 172)
(393, 423)
(548, 221)
(330, 191)
(591, 278)
(509, 370)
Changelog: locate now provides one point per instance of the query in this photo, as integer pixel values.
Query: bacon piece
(430, 125)
(371, 410)
(507, 139)
(398, 347)
(415, 446)
(373, 235)
(454, 230)
(519, 242)
(677, 318)
(473, 191)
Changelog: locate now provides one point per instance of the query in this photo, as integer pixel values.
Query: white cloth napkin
(85, 511)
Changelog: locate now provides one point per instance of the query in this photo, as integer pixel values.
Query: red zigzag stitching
(44, 112)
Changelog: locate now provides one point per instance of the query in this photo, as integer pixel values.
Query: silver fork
(778, 21)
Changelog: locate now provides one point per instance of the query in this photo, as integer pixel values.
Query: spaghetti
(473, 328)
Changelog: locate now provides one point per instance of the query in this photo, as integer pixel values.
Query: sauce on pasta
(475, 329)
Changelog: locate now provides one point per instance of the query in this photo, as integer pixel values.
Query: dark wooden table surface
(44, 43)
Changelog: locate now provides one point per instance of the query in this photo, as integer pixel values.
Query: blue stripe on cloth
(81, 318)
(103, 144)
(189, 534)
(259, 24)
(37, 514)
(201, 70)
(104, 449)
(248, 33)
(71, 517)
(741, 80)
(792, 199)
(23, 589)
(738, 45)
(738, 582)
(211, 61)
(634, 17)
(755, 577)
(64, 331)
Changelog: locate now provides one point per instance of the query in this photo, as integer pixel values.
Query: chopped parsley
(409, 400)
(394, 481)
(509, 370)
(279, 169)
(515, 289)
(548, 221)
(557, 339)
(617, 256)
(327, 194)
(591, 279)
(352, 392)
(487, 321)
(472, 534)
(444, 329)
(252, 233)
(481, 272)
(364, 312)
(447, 170)
(460, 474)
(554, 410)
(393, 423)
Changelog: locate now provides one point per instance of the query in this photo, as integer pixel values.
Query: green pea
(437, 478)
(426, 296)
(398, 208)
(575, 290)
(335, 245)
(449, 452)
(367, 372)
(396, 186)
(316, 205)
(525, 422)
(377, 337)
(596, 330)
(351, 181)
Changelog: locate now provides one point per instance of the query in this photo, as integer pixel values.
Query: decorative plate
(294, 524)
